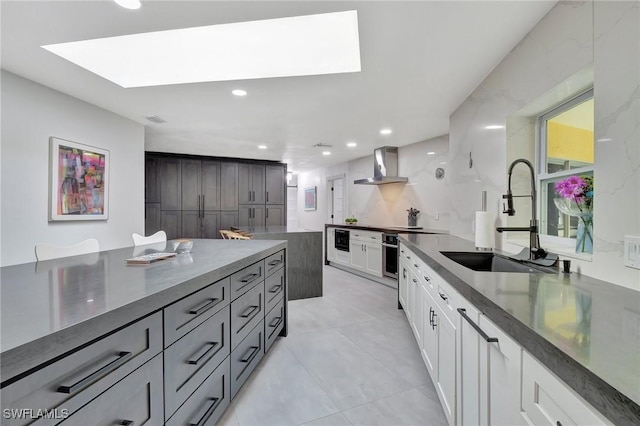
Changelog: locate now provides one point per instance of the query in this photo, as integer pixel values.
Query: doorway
(336, 191)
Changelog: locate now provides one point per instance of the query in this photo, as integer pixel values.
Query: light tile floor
(350, 359)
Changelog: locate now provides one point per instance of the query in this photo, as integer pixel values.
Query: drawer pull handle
(427, 279)
(207, 352)
(276, 322)
(414, 280)
(275, 288)
(415, 264)
(275, 262)
(476, 327)
(126, 423)
(123, 357)
(558, 423)
(251, 353)
(214, 404)
(249, 311)
(443, 296)
(208, 304)
(250, 278)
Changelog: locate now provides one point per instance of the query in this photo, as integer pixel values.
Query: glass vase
(584, 239)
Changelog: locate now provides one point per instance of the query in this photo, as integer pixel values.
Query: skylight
(304, 45)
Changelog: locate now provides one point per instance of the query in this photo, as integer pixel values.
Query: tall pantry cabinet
(195, 197)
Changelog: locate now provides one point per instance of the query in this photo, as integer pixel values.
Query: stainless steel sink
(492, 262)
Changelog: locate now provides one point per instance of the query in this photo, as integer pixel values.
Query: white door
(336, 205)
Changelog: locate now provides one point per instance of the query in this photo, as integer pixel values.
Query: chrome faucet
(535, 251)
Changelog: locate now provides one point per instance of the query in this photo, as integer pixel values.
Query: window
(566, 149)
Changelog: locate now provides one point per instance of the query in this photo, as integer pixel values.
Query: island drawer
(274, 262)
(273, 324)
(273, 289)
(186, 314)
(246, 278)
(76, 379)
(246, 357)
(246, 312)
(136, 400)
(205, 406)
(190, 360)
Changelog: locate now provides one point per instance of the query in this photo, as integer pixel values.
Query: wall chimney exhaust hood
(385, 168)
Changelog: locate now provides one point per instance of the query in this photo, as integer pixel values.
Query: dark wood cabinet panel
(152, 218)
(274, 215)
(190, 226)
(229, 219)
(251, 183)
(251, 216)
(191, 170)
(228, 186)
(152, 179)
(171, 223)
(170, 184)
(210, 224)
(275, 185)
(210, 181)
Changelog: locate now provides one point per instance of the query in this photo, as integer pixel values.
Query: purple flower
(573, 188)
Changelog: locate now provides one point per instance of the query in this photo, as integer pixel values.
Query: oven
(342, 239)
(390, 255)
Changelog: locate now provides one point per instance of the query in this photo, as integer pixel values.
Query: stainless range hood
(385, 168)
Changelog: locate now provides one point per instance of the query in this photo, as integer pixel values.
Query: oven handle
(389, 245)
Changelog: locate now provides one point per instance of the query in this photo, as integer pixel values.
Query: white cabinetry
(546, 400)
(403, 284)
(366, 251)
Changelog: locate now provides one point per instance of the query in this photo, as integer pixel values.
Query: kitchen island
(80, 332)
(583, 330)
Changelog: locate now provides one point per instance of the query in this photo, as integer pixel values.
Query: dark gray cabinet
(170, 184)
(152, 218)
(275, 184)
(274, 215)
(228, 186)
(251, 183)
(195, 197)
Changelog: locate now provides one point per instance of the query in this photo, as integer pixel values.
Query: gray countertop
(50, 307)
(585, 330)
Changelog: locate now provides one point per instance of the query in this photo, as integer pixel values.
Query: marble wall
(562, 45)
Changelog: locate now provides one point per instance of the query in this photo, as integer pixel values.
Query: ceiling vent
(156, 119)
(322, 145)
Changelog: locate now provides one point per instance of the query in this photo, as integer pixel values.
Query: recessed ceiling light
(443, 162)
(604, 140)
(431, 153)
(326, 153)
(494, 127)
(385, 131)
(262, 146)
(239, 92)
(282, 47)
(351, 144)
(129, 4)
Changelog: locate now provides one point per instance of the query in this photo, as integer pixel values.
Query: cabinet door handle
(250, 310)
(430, 316)
(275, 288)
(209, 411)
(434, 324)
(126, 423)
(205, 352)
(250, 277)
(251, 353)
(404, 273)
(415, 264)
(414, 280)
(267, 195)
(443, 296)
(199, 209)
(276, 322)
(123, 357)
(476, 327)
(427, 279)
(202, 205)
(205, 306)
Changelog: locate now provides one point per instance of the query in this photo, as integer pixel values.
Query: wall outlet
(632, 251)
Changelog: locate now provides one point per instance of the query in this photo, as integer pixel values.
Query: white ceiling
(420, 60)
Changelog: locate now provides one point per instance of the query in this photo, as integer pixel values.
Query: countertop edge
(611, 403)
(387, 229)
(20, 360)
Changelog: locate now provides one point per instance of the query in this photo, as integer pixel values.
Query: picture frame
(310, 198)
(79, 181)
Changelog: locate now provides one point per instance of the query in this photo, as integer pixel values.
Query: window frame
(542, 161)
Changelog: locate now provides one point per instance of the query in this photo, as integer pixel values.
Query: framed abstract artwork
(310, 200)
(79, 181)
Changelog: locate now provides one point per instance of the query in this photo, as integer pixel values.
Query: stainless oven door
(390, 256)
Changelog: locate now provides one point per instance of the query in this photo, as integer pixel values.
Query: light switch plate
(632, 251)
